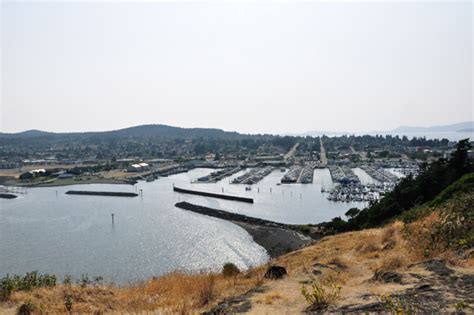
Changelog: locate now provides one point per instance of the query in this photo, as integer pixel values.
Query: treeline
(412, 191)
(369, 142)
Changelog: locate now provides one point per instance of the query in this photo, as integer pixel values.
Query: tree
(352, 212)
(459, 158)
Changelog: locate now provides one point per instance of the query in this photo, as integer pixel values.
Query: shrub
(396, 305)
(321, 294)
(448, 228)
(369, 246)
(68, 302)
(230, 270)
(7, 286)
(206, 292)
(26, 308)
(67, 280)
(85, 281)
(30, 281)
(305, 229)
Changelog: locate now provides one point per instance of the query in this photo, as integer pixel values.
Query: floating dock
(212, 195)
(101, 193)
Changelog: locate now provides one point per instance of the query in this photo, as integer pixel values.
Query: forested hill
(143, 131)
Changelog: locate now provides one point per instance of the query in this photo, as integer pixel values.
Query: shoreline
(61, 183)
(277, 238)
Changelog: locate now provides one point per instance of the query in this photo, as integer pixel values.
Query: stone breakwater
(101, 193)
(277, 238)
(212, 195)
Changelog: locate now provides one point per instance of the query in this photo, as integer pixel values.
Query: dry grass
(174, 293)
(270, 298)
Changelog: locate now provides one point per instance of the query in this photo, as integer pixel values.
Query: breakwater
(277, 238)
(221, 214)
(101, 193)
(213, 195)
(7, 196)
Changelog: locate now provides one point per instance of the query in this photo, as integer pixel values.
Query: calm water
(49, 231)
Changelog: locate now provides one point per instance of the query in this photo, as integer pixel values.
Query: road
(323, 158)
(291, 152)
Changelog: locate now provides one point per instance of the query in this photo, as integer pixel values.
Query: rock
(319, 265)
(390, 245)
(438, 267)
(387, 276)
(275, 272)
(317, 272)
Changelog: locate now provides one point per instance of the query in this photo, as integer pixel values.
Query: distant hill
(143, 131)
(468, 125)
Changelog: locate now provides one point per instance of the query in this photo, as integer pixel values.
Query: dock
(216, 176)
(253, 176)
(300, 174)
(212, 195)
(101, 193)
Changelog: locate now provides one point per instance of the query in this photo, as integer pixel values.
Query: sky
(268, 67)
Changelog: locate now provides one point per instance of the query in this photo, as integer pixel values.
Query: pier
(379, 174)
(101, 193)
(218, 175)
(253, 176)
(212, 195)
(300, 174)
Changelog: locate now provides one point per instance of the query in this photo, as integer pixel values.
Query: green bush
(68, 302)
(321, 294)
(230, 270)
(30, 281)
(305, 229)
(26, 308)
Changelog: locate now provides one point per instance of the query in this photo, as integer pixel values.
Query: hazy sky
(268, 67)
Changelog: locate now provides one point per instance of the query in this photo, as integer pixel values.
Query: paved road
(291, 152)
(324, 159)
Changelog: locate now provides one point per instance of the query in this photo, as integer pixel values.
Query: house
(33, 173)
(134, 168)
(144, 166)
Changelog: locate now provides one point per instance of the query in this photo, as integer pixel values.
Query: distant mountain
(26, 134)
(468, 125)
(467, 130)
